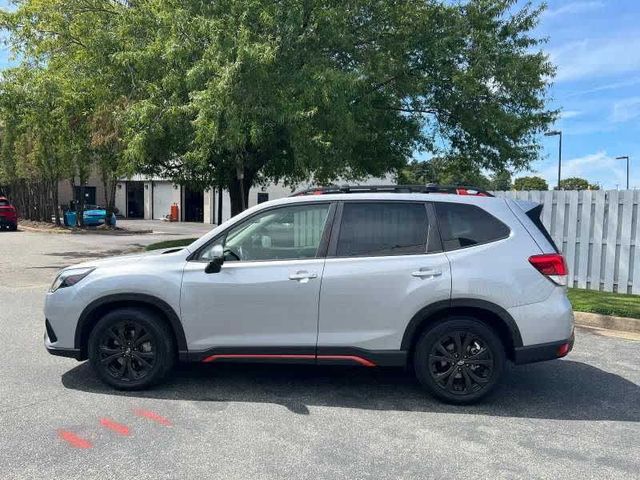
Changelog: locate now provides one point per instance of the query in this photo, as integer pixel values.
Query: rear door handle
(427, 273)
(302, 276)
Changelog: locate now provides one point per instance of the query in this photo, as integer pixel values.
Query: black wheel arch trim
(138, 298)
(443, 305)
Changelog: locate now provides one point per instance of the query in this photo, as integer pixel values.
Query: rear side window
(534, 215)
(383, 228)
(464, 226)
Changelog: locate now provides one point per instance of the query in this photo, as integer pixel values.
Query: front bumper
(543, 351)
(49, 340)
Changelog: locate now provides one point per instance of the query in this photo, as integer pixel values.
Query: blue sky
(595, 45)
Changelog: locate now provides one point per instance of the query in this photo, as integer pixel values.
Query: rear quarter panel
(499, 272)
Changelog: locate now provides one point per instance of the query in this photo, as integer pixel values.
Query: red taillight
(563, 350)
(551, 265)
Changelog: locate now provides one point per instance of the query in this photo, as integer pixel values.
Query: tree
(501, 181)
(576, 183)
(530, 183)
(444, 171)
(245, 91)
(290, 90)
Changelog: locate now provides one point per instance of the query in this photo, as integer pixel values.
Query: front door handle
(302, 276)
(427, 273)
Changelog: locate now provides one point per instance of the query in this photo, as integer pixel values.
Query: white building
(152, 197)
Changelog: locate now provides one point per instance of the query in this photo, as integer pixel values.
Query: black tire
(459, 360)
(13, 228)
(131, 349)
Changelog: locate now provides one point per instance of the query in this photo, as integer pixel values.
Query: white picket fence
(597, 231)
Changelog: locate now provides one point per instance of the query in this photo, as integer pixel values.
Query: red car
(8, 215)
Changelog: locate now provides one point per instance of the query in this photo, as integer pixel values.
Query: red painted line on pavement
(153, 416)
(74, 440)
(116, 427)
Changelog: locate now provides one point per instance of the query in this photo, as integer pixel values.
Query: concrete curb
(608, 322)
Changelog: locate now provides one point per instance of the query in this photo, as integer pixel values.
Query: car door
(267, 291)
(385, 264)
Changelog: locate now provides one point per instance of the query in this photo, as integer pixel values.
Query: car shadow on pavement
(559, 390)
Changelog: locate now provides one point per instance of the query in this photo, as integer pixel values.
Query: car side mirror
(215, 265)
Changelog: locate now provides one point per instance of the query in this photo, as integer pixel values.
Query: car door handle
(427, 273)
(302, 276)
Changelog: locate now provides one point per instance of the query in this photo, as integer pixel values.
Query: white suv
(450, 286)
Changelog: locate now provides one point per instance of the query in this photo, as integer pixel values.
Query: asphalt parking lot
(573, 418)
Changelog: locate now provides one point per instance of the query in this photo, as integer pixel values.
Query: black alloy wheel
(127, 351)
(461, 363)
(131, 348)
(459, 360)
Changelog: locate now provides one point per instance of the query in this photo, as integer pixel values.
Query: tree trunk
(80, 206)
(220, 204)
(235, 192)
(56, 207)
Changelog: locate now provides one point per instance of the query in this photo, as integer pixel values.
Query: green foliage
(501, 181)
(576, 183)
(208, 92)
(530, 183)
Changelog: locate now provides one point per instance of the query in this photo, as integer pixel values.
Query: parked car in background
(8, 215)
(448, 286)
(92, 216)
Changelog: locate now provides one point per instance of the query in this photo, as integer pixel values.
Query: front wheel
(131, 349)
(459, 360)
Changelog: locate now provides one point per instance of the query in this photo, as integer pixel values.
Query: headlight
(70, 277)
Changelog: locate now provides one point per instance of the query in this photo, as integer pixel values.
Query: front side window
(463, 225)
(382, 229)
(285, 233)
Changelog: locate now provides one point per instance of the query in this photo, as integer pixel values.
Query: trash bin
(70, 219)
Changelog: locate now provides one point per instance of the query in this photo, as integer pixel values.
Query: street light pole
(553, 133)
(625, 157)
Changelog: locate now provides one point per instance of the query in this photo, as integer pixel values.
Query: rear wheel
(459, 360)
(13, 227)
(131, 349)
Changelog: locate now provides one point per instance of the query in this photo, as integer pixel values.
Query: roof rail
(428, 188)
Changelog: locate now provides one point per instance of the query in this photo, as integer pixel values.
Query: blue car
(93, 216)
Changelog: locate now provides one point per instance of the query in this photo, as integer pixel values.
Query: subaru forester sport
(449, 286)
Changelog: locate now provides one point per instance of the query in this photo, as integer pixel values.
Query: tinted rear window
(534, 214)
(464, 226)
(4, 203)
(377, 229)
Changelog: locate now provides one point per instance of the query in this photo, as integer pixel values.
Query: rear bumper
(543, 351)
(8, 221)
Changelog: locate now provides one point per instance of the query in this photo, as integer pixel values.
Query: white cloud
(565, 114)
(607, 86)
(573, 8)
(598, 167)
(591, 58)
(626, 110)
